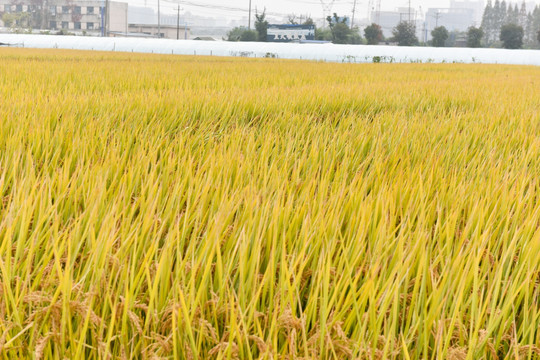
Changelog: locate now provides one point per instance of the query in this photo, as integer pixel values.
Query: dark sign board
(288, 33)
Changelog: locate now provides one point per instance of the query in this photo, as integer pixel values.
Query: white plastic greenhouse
(320, 52)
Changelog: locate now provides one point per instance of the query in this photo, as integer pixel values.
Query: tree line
(503, 25)
(509, 25)
(337, 30)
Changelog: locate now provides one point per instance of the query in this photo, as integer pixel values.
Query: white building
(453, 19)
(477, 6)
(85, 16)
(388, 20)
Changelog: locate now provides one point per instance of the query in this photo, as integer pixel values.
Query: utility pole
(249, 16)
(44, 15)
(158, 20)
(178, 24)
(378, 12)
(107, 18)
(353, 11)
(437, 16)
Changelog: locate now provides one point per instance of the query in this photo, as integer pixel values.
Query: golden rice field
(167, 207)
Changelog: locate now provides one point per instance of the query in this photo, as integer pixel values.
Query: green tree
(340, 32)
(309, 21)
(440, 35)
(373, 34)
(535, 21)
(503, 13)
(18, 22)
(474, 37)
(512, 15)
(355, 38)
(499, 17)
(405, 34)
(339, 28)
(324, 34)
(529, 29)
(249, 35)
(236, 33)
(512, 36)
(295, 20)
(523, 15)
(538, 36)
(261, 25)
(488, 22)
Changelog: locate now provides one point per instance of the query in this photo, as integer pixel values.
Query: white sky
(238, 8)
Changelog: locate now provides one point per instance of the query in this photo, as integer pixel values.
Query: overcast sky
(238, 8)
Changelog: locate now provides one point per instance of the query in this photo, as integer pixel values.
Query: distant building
(164, 31)
(453, 19)
(477, 6)
(388, 20)
(118, 16)
(290, 33)
(87, 16)
(144, 20)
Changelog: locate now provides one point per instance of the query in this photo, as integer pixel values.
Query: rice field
(167, 207)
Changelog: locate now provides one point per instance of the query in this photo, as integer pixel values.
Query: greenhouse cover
(307, 51)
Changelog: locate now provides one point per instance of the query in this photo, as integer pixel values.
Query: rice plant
(213, 208)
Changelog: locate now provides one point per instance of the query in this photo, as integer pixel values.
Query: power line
(235, 9)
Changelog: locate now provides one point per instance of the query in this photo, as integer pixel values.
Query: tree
(261, 25)
(242, 34)
(538, 36)
(512, 15)
(249, 35)
(341, 32)
(488, 23)
(512, 36)
(535, 21)
(292, 19)
(503, 13)
(18, 22)
(440, 35)
(37, 12)
(309, 21)
(474, 37)
(523, 17)
(324, 34)
(405, 34)
(295, 20)
(236, 33)
(354, 37)
(529, 29)
(340, 29)
(373, 34)
(499, 17)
